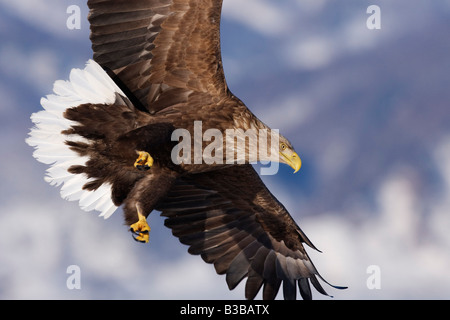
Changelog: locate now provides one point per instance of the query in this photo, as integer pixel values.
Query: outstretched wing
(160, 50)
(232, 220)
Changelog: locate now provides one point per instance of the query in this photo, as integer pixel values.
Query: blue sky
(367, 110)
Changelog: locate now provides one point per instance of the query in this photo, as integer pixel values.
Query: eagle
(145, 125)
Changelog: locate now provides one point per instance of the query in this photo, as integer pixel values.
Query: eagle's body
(164, 58)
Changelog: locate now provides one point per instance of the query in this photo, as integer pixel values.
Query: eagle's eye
(283, 147)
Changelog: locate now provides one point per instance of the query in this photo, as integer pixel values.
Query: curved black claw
(143, 167)
(140, 236)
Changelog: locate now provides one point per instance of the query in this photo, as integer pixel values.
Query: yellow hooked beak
(292, 159)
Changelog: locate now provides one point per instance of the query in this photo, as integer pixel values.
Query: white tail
(91, 85)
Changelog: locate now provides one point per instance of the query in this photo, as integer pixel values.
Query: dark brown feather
(244, 236)
(161, 50)
(112, 137)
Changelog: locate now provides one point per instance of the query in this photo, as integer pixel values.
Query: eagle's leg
(143, 198)
(144, 161)
(140, 230)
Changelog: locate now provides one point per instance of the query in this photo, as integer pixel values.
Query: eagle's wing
(232, 220)
(160, 50)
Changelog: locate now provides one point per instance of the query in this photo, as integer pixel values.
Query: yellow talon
(144, 161)
(140, 229)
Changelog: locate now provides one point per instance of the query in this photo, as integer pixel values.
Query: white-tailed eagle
(108, 138)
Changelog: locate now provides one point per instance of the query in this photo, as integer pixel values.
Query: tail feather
(58, 174)
(90, 85)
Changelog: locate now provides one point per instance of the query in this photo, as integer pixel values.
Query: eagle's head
(258, 142)
(288, 155)
(253, 140)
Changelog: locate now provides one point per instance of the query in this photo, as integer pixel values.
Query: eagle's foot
(140, 230)
(144, 161)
